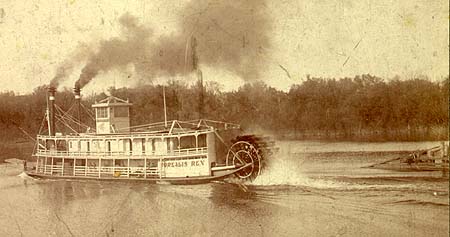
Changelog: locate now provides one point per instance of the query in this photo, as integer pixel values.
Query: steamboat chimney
(51, 111)
(77, 94)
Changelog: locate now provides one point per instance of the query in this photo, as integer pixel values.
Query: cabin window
(143, 145)
(96, 146)
(121, 112)
(74, 146)
(172, 144)
(187, 142)
(201, 140)
(127, 145)
(150, 146)
(42, 143)
(80, 162)
(102, 112)
(61, 145)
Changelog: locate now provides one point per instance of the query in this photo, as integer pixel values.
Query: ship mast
(165, 108)
(195, 68)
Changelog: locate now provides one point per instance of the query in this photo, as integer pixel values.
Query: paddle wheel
(251, 151)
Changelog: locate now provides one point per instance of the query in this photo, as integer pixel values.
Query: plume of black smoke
(67, 66)
(231, 36)
(118, 52)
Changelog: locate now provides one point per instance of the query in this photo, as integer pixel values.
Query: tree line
(361, 108)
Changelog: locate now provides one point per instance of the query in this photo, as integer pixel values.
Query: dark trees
(363, 108)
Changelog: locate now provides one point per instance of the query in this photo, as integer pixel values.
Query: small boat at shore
(175, 152)
(433, 159)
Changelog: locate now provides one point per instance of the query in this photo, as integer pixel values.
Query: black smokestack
(77, 94)
(230, 35)
(51, 111)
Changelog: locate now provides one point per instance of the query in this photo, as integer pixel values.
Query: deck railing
(53, 169)
(95, 171)
(131, 154)
(148, 135)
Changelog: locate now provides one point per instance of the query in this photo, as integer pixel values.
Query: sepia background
(340, 85)
(330, 39)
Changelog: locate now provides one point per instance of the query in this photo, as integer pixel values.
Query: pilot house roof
(111, 101)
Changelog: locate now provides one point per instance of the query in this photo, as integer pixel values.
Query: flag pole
(165, 108)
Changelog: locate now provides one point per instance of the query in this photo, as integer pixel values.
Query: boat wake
(24, 175)
(284, 170)
(285, 173)
(288, 169)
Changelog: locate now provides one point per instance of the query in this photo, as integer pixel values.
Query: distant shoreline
(23, 150)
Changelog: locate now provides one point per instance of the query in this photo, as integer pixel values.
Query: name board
(183, 168)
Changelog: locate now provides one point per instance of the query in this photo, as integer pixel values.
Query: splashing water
(288, 167)
(285, 169)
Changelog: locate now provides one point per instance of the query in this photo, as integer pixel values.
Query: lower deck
(105, 167)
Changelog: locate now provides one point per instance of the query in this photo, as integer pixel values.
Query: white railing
(104, 171)
(53, 169)
(40, 169)
(132, 154)
(149, 135)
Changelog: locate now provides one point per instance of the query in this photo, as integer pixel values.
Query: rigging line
(62, 111)
(22, 130)
(42, 123)
(67, 115)
(87, 109)
(71, 119)
(88, 112)
(64, 123)
(67, 112)
(75, 122)
(62, 120)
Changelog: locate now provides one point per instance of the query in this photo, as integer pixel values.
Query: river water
(308, 189)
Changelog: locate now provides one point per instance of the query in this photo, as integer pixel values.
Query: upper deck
(114, 138)
(153, 141)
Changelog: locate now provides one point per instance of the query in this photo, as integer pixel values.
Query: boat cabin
(112, 115)
(170, 149)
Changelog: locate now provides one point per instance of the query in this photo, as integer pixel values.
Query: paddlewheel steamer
(178, 152)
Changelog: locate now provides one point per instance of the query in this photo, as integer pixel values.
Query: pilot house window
(102, 112)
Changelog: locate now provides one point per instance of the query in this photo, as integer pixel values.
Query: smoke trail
(229, 36)
(67, 66)
(118, 52)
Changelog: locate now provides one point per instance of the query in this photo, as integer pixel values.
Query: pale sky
(320, 38)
